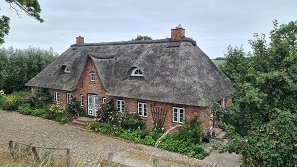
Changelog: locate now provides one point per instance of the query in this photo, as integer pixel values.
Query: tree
(18, 66)
(262, 123)
(30, 7)
(141, 38)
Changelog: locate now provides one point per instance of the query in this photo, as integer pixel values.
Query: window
(82, 100)
(178, 115)
(142, 109)
(136, 72)
(56, 96)
(224, 102)
(66, 70)
(68, 98)
(103, 99)
(92, 76)
(120, 105)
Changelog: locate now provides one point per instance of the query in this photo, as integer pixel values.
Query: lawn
(218, 62)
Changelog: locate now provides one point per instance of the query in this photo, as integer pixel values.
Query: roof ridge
(166, 40)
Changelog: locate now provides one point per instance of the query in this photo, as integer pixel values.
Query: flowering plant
(56, 110)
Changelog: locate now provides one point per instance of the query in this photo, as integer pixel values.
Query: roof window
(64, 69)
(136, 72)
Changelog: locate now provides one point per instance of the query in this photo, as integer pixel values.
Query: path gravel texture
(86, 147)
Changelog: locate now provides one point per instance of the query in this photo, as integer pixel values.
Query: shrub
(56, 110)
(190, 132)
(108, 112)
(10, 102)
(25, 109)
(93, 126)
(75, 108)
(39, 99)
(186, 140)
(131, 121)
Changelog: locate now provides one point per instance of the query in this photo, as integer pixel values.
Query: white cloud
(214, 24)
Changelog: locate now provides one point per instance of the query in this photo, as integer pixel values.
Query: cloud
(214, 24)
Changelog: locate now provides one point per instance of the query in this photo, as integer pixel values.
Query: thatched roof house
(172, 70)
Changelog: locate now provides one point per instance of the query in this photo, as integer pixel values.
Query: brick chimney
(80, 40)
(177, 34)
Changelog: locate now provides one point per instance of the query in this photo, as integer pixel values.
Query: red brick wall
(177, 34)
(131, 106)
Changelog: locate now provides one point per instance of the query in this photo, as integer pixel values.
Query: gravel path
(84, 146)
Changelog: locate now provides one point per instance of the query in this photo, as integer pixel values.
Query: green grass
(218, 62)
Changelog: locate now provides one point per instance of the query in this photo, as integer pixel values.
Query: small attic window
(64, 69)
(137, 73)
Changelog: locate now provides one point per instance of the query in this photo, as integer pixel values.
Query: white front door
(93, 105)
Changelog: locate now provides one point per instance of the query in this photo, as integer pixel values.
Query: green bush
(10, 102)
(40, 99)
(108, 113)
(75, 108)
(25, 109)
(93, 126)
(186, 140)
(131, 121)
(63, 119)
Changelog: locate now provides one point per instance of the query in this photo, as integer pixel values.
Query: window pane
(181, 115)
(174, 114)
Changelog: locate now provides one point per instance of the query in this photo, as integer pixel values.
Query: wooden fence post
(34, 151)
(110, 156)
(68, 158)
(155, 163)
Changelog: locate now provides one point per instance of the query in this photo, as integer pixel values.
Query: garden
(128, 126)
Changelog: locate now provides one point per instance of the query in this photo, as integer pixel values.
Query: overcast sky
(214, 24)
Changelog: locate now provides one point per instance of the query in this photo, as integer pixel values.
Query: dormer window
(65, 70)
(137, 72)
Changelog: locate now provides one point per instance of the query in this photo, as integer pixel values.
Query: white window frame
(224, 102)
(68, 98)
(81, 100)
(178, 115)
(92, 76)
(56, 96)
(120, 105)
(66, 70)
(142, 109)
(103, 100)
(136, 72)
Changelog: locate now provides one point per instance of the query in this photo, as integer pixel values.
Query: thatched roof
(174, 72)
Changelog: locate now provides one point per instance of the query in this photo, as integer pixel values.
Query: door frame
(92, 110)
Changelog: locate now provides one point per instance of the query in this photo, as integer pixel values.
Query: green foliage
(218, 63)
(27, 110)
(141, 38)
(39, 99)
(261, 124)
(186, 140)
(75, 108)
(108, 112)
(146, 137)
(131, 121)
(10, 102)
(56, 110)
(30, 7)
(4, 27)
(17, 67)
